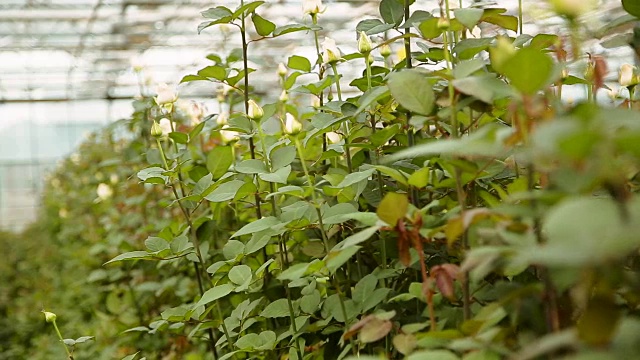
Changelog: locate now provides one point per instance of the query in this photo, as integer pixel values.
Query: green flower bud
(364, 43)
(156, 129)
(49, 316)
(255, 111)
(443, 23)
(385, 50)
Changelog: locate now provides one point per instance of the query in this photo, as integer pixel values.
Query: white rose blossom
(165, 94)
(330, 51)
(312, 7)
(165, 125)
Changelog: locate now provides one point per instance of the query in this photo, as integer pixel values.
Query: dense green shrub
(448, 206)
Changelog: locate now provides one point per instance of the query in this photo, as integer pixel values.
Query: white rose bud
(104, 191)
(312, 7)
(223, 118)
(333, 137)
(165, 95)
(49, 316)
(255, 111)
(330, 51)
(165, 125)
(626, 77)
(229, 136)
(284, 96)
(291, 125)
(282, 70)
(364, 43)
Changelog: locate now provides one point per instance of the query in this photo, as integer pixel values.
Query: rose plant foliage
(443, 204)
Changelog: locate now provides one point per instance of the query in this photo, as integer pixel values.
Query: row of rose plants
(443, 204)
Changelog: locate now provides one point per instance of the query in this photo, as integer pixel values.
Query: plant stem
(520, 17)
(310, 184)
(407, 40)
(66, 348)
(196, 243)
(347, 131)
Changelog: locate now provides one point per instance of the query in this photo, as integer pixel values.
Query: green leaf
(280, 176)
(632, 7)
(467, 68)
(246, 8)
(219, 15)
(149, 174)
(391, 11)
(468, 48)
(251, 166)
(263, 26)
(282, 30)
(225, 192)
(258, 241)
(131, 357)
(156, 244)
(393, 207)
(240, 275)
(219, 160)
(310, 303)
(593, 225)
(371, 97)
(278, 308)
(420, 178)
(487, 141)
(529, 70)
(282, 157)
(364, 288)
(468, 17)
(299, 63)
(214, 294)
(494, 16)
(373, 26)
(189, 78)
(213, 72)
(258, 225)
(433, 355)
(132, 255)
(203, 184)
(484, 87)
(357, 238)
(336, 258)
(429, 28)
(412, 90)
(232, 249)
(355, 178)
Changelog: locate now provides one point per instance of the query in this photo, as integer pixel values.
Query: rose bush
(444, 204)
